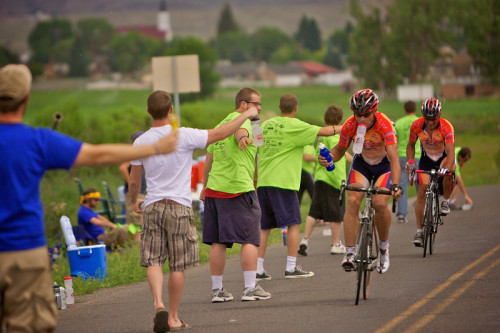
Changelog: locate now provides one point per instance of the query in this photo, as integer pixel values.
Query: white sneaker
(255, 294)
(304, 242)
(337, 248)
(383, 262)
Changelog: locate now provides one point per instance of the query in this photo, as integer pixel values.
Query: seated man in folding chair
(94, 223)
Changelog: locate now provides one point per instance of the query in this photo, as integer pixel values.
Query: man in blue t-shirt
(27, 152)
(94, 223)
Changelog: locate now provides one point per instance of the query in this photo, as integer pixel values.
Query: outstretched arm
(223, 131)
(110, 153)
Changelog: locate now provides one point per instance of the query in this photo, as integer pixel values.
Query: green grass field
(111, 116)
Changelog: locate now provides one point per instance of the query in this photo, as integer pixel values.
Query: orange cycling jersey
(377, 137)
(432, 144)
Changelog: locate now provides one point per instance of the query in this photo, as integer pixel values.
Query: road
(454, 290)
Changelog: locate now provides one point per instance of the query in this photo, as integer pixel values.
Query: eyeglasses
(364, 115)
(255, 103)
(430, 118)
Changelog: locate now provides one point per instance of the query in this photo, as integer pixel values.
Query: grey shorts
(169, 232)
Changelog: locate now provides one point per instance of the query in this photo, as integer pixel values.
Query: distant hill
(189, 17)
(68, 7)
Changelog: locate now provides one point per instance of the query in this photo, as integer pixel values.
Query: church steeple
(163, 21)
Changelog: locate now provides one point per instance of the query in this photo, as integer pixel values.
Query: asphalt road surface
(457, 289)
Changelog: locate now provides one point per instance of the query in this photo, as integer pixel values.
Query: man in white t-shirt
(169, 230)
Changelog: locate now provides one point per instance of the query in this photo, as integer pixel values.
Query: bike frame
(432, 212)
(366, 251)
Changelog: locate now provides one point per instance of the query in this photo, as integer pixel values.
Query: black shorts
(362, 172)
(426, 163)
(234, 220)
(325, 203)
(280, 207)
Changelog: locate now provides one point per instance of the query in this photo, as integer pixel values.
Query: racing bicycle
(366, 250)
(432, 211)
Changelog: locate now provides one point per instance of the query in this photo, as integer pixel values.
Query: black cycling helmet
(431, 108)
(364, 101)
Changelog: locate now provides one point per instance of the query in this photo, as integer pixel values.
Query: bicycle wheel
(427, 223)
(361, 260)
(372, 255)
(434, 224)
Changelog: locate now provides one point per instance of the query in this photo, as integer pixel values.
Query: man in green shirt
(280, 164)
(462, 155)
(232, 211)
(307, 173)
(403, 132)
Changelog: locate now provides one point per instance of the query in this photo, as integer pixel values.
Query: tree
(130, 52)
(367, 50)
(416, 33)
(94, 34)
(47, 34)
(226, 21)
(207, 57)
(266, 40)
(309, 35)
(234, 46)
(7, 57)
(479, 21)
(338, 47)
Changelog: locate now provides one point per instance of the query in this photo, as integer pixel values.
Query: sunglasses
(255, 103)
(430, 118)
(364, 115)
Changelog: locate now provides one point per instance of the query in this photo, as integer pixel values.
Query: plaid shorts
(169, 232)
(27, 302)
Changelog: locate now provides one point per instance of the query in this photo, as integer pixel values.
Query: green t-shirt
(308, 166)
(280, 158)
(335, 177)
(457, 169)
(403, 132)
(232, 169)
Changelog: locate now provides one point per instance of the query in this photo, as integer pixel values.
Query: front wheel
(361, 261)
(427, 225)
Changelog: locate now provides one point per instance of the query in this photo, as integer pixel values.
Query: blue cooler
(88, 262)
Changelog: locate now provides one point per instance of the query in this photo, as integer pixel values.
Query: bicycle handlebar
(429, 172)
(372, 190)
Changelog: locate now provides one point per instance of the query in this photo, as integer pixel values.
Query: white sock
(260, 265)
(420, 230)
(249, 277)
(291, 262)
(383, 245)
(350, 249)
(217, 282)
(446, 200)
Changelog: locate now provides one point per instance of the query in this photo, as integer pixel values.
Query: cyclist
(378, 160)
(437, 141)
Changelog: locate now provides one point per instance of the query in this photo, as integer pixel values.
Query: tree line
(384, 47)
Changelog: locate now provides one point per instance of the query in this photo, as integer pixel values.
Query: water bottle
(60, 299)
(359, 139)
(284, 234)
(70, 294)
(323, 151)
(257, 136)
(62, 291)
(69, 236)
